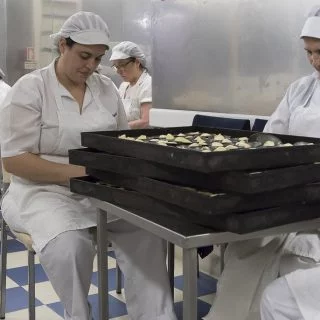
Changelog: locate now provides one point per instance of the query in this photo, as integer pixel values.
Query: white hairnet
(84, 28)
(127, 49)
(311, 27)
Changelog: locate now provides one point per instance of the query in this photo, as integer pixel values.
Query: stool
(26, 240)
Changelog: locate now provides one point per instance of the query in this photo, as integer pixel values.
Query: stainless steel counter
(183, 234)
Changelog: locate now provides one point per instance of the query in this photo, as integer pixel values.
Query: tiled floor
(47, 303)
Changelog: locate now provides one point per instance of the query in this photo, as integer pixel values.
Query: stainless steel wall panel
(3, 35)
(235, 56)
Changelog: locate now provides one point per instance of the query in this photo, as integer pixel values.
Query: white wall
(180, 118)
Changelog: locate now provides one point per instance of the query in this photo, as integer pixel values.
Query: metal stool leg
(31, 280)
(119, 279)
(171, 266)
(3, 275)
(222, 251)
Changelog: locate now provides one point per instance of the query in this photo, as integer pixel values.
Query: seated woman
(252, 265)
(296, 294)
(41, 119)
(136, 90)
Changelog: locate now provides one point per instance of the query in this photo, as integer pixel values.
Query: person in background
(251, 265)
(41, 119)
(295, 295)
(136, 90)
(4, 88)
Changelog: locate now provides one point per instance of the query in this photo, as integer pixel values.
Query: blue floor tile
(203, 309)
(111, 254)
(206, 284)
(57, 308)
(20, 275)
(112, 284)
(116, 307)
(15, 246)
(17, 299)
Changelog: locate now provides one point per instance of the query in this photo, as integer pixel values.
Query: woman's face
(312, 47)
(80, 61)
(128, 69)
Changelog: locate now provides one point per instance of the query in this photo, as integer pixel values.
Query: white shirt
(299, 111)
(299, 114)
(134, 96)
(41, 117)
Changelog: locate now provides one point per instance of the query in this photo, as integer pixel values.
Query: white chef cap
(84, 28)
(311, 27)
(127, 49)
(2, 74)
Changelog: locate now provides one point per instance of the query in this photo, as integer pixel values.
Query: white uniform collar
(90, 81)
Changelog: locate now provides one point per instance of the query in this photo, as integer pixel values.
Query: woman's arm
(143, 122)
(31, 167)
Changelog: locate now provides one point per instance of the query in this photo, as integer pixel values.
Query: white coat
(37, 118)
(133, 96)
(251, 265)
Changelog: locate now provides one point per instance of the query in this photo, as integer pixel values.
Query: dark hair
(70, 42)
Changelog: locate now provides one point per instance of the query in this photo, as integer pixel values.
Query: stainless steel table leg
(171, 266)
(190, 284)
(102, 248)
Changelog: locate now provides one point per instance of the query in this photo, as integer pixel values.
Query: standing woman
(136, 90)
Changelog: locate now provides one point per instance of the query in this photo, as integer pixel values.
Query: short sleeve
(20, 118)
(122, 122)
(145, 94)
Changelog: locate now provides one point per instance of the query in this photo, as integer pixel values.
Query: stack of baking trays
(227, 180)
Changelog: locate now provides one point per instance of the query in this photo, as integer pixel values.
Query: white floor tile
(178, 295)
(42, 312)
(93, 289)
(17, 259)
(121, 318)
(208, 298)
(178, 268)
(111, 263)
(120, 296)
(45, 292)
(10, 283)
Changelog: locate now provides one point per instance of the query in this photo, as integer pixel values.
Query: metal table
(183, 234)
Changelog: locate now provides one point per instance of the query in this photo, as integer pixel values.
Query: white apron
(131, 107)
(250, 266)
(46, 210)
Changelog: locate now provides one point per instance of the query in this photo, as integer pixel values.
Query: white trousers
(278, 301)
(68, 259)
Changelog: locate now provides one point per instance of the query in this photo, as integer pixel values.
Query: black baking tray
(238, 181)
(263, 158)
(203, 201)
(261, 219)
(238, 223)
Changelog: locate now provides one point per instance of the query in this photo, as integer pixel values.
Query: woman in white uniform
(296, 294)
(253, 264)
(136, 90)
(41, 120)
